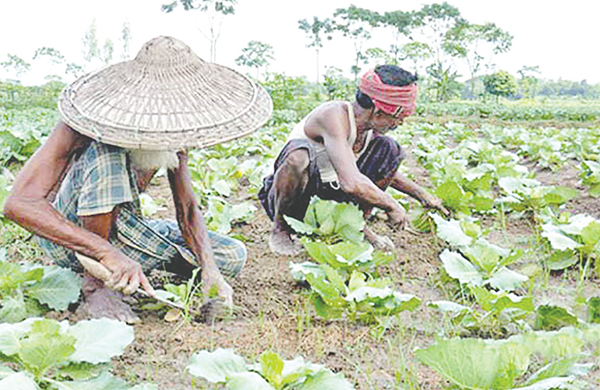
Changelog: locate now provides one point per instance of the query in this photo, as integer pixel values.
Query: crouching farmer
(339, 152)
(80, 191)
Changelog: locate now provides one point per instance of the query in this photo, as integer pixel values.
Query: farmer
(80, 191)
(338, 151)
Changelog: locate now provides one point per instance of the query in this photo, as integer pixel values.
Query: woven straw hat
(166, 98)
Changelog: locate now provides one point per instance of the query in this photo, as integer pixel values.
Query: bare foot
(381, 243)
(282, 243)
(102, 302)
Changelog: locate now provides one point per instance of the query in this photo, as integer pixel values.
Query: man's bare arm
(27, 204)
(193, 228)
(409, 187)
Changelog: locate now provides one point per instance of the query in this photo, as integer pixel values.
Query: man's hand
(398, 217)
(214, 278)
(127, 275)
(434, 202)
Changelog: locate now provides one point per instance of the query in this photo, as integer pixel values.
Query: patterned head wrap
(390, 99)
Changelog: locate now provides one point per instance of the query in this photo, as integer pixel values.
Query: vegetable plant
(46, 354)
(28, 291)
(270, 373)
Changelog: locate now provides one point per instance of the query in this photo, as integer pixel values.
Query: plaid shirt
(100, 180)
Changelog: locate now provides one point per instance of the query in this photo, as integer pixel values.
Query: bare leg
(382, 243)
(102, 302)
(290, 181)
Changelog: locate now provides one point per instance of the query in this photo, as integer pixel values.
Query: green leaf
(331, 288)
(559, 368)
(559, 241)
(296, 370)
(561, 260)
(591, 233)
(326, 380)
(550, 384)
(222, 187)
(299, 270)
(45, 346)
(20, 381)
(58, 288)
(483, 255)
(554, 345)
(104, 381)
(560, 195)
(13, 308)
(451, 231)
(99, 340)
(299, 227)
(11, 335)
(507, 280)
(271, 367)
(326, 311)
(248, 381)
(460, 268)
(551, 317)
(448, 307)
(476, 363)
(216, 366)
(593, 310)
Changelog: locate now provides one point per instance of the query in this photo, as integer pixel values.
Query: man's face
(382, 122)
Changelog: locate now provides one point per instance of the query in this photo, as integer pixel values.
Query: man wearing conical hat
(79, 193)
(339, 152)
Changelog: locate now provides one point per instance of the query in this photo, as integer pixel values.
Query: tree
(432, 22)
(214, 10)
(400, 22)
(475, 43)
(255, 55)
(500, 83)
(314, 32)
(16, 64)
(416, 52)
(125, 40)
(528, 83)
(444, 82)
(90, 43)
(356, 24)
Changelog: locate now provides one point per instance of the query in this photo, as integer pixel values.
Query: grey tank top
(326, 170)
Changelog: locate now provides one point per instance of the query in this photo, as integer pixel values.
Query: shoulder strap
(352, 135)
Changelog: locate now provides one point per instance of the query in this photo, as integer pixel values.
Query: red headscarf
(389, 98)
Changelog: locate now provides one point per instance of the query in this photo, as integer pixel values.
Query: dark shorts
(379, 162)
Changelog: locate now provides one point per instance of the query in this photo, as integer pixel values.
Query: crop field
(503, 294)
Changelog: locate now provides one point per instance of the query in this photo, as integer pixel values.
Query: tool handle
(94, 267)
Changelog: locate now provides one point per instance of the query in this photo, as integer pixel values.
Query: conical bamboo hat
(166, 98)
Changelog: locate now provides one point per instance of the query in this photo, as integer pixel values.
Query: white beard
(146, 160)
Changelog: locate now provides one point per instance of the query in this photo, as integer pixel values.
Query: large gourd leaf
(507, 280)
(216, 366)
(460, 268)
(45, 345)
(248, 381)
(451, 231)
(98, 340)
(58, 288)
(104, 381)
(326, 380)
(477, 364)
(271, 367)
(20, 381)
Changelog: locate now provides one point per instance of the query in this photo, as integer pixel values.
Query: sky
(559, 37)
